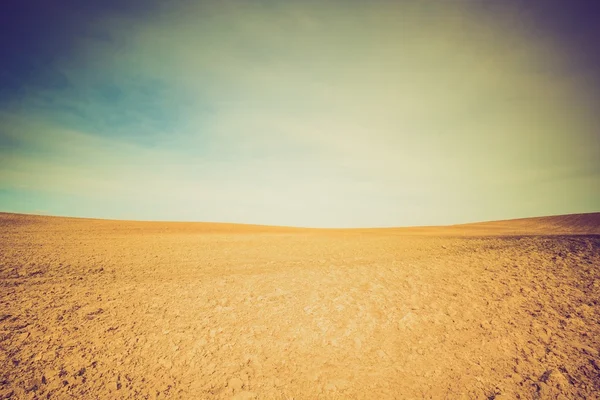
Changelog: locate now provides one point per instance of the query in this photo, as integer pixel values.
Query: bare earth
(115, 309)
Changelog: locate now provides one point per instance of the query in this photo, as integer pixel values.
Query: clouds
(322, 114)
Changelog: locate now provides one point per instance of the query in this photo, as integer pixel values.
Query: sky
(303, 113)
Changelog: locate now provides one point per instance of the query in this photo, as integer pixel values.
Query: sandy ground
(106, 309)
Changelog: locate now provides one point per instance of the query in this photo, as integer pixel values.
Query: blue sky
(300, 113)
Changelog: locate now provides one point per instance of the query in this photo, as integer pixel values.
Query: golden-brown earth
(118, 309)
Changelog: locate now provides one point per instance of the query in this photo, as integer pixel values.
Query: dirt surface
(108, 309)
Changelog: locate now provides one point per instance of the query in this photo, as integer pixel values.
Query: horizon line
(300, 227)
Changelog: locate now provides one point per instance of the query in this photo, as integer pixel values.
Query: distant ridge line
(568, 224)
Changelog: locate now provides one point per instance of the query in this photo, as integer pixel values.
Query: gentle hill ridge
(570, 224)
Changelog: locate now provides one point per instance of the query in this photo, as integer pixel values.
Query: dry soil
(143, 310)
